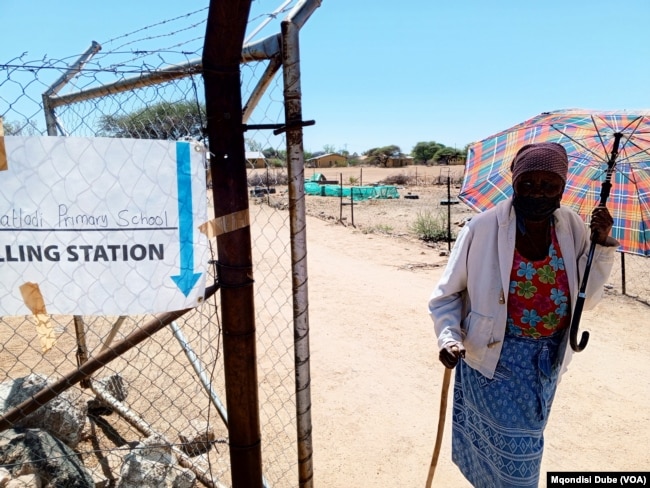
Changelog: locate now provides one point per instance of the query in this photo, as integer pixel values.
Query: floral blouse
(538, 301)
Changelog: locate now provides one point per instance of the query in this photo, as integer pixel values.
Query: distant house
(399, 162)
(256, 159)
(330, 160)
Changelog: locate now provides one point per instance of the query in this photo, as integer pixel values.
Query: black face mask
(535, 208)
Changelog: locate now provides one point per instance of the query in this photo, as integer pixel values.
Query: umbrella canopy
(606, 149)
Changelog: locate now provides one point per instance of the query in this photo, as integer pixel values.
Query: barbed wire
(194, 25)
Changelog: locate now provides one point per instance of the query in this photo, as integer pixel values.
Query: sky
(378, 73)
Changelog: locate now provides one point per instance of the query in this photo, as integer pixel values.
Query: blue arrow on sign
(187, 277)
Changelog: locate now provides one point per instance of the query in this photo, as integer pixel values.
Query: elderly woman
(501, 311)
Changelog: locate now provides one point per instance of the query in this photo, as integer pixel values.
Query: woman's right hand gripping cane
(451, 353)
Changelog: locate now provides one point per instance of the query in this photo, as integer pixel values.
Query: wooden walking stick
(441, 425)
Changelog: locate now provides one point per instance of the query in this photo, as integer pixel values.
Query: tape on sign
(33, 298)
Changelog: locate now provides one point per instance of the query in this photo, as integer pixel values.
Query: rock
(5, 477)
(26, 481)
(38, 459)
(152, 464)
(64, 416)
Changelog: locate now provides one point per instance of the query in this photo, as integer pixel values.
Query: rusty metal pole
(296, 170)
(224, 38)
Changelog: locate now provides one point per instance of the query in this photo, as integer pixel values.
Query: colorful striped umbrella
(609, 164)
(588, 137)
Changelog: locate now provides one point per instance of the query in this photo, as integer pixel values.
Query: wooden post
(341, 197)
(352, 205)
(3, 151)
(448, 212)
(225, 30)
(623, 287)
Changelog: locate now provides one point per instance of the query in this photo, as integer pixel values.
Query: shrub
(268, 178)
(441, 179)
(400, 179)
(276, 163)
(430, 227)
(378, 229)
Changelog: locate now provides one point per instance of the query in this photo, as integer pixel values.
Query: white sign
(103, 226)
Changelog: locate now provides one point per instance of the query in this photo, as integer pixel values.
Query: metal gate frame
(281, 51)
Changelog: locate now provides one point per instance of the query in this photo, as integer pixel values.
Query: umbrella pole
(577, 312)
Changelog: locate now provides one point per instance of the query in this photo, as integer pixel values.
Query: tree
(381, 155)
(273, 153)
(164, 120)
(446, 155)
(425, 151)
(27, 128)
(254, 145)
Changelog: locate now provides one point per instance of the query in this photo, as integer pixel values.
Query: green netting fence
(357, 193)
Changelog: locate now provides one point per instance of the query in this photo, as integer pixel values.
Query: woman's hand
(451, 353)
(601, 225)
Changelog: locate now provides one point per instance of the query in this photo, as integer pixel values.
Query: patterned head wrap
(542, 156)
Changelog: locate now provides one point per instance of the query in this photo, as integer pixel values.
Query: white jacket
(469, 303)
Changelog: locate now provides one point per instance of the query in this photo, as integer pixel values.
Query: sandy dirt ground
(376, 379)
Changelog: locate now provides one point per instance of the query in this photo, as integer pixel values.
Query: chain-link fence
(631, 276)
(140, 398)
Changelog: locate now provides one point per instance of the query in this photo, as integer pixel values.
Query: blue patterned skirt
(498, 424)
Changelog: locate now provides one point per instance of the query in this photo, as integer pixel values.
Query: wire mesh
(148, 84)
